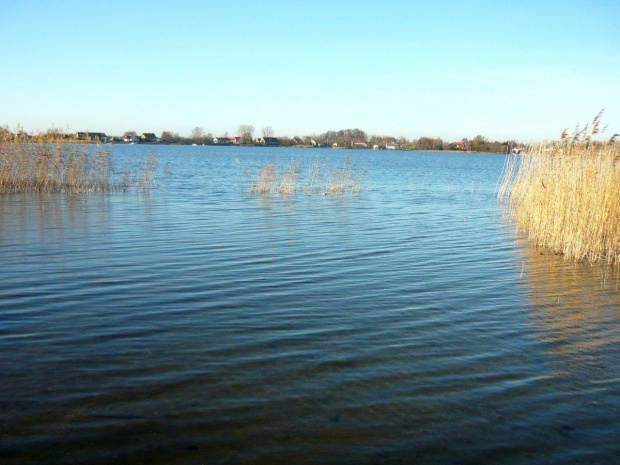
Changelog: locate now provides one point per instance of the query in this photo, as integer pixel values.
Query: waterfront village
(342, 139)
(266, 141)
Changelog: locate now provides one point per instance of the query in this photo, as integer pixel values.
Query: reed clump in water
(319, 178)
(51, 163)
(566, 195)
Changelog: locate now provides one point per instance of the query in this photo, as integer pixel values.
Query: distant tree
(267, 131)
(330, 137)
(480, 144)
(500, 147)
(198, 134)
(343, 137)
(286, 141)
(170, 136)
(246, 131)
(428, 143)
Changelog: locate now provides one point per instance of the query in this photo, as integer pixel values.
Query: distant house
(94, 136)
(271, 142)
(457, 146)
(223, 140)
(149, 138)
(360, 144)
(23, 135)
(131, 137)
(392, 145)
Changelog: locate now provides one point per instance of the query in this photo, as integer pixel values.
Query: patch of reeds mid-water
(47, 164)
(566, 195)
(317, 178)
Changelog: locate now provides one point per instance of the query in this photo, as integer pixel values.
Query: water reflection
(575, 310)
(57, 219)
(48, 215)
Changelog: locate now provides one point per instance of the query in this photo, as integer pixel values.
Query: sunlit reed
(325, 179)
(566, 195)
(50, 162)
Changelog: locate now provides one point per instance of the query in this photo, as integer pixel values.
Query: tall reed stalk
(45, 163)
(566, 195)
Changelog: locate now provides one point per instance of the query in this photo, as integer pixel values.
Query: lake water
(201, 324)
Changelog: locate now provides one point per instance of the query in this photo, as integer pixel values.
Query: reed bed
(566, 195)
(43, 164)
(317, 178)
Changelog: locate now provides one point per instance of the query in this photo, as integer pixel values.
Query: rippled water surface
(201, 324)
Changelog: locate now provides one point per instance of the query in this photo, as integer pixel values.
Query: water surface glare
(200, 324)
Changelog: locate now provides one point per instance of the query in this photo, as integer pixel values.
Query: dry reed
(319, 178)
(50, 163)
(566, 195)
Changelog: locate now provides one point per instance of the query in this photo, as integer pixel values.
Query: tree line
(477, 144)
(346, 138)
(199, 136)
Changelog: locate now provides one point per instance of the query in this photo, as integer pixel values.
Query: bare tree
(170, 136)
(198, 134)
(246, 131)
(267, 131)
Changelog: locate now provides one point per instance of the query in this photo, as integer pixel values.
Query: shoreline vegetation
(342, 139)
(565, 195)
(47, 164)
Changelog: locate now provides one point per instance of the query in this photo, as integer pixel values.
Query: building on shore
(92, 136)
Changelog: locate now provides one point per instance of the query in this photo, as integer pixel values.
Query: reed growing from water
(325, 179)
(54, 164)
(566, 195)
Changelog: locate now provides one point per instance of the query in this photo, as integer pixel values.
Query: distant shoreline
(297, 146)
(307, 147)
(314, 148)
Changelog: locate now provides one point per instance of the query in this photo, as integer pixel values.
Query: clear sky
(441, 68)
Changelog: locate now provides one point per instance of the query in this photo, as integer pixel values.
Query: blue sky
(450, 69)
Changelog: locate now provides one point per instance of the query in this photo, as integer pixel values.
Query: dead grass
(51, 163)
(566, 195)
(318, 178)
